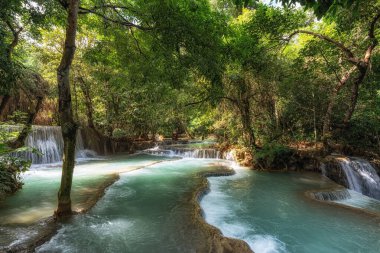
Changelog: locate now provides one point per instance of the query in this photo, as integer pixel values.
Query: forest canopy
(249, 72)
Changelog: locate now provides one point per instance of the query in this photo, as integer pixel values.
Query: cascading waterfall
(200, 153)
(49, 142)
(361, 176)
(335, 195)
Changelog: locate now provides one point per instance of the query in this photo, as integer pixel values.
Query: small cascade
(322, 167)
(336, 195)
(48, 141)
(230, 155)
(361, 176)
(175, 151)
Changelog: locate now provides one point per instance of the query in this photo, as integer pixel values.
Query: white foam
(266, 244)
(220, 211)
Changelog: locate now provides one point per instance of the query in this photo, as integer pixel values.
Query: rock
(333, 170)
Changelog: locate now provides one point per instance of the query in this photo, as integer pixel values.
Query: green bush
(10, 174)
(118, 133)
(273, 156)
(11, 166)
(362, 133)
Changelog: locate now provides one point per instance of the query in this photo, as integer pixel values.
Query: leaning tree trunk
(360, 64)
(68, 126)
(354, 96)
(332, 100)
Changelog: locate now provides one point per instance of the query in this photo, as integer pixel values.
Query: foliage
(11, 166)
(221, 67)
(10, 174)
(273, 156)
(118, 133)
(321, 7)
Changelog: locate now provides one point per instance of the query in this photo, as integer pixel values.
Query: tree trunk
(88, 102)
(354, 96)
(19, 142)
(330, 107)
(3, 106)
(68, 126)
(76, 117)
(249, 134)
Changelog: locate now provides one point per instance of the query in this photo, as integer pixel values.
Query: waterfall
(230, 155)
(332, 195)
(49, 142)
(174, 151)
(361, 176)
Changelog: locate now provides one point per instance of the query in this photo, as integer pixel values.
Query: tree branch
(234, 101)
(198, 102)
(111, 6)
(371, 33)
(121, 21)
(137, 44)
(331, 67)
(16, 33)
(372, 37)
(350, 55)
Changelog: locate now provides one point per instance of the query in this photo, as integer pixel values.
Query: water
(272, 214)
(49, 142)
(332, 195)
(361, 176)
(185, 151)
(360, 201)
(147, 210)
(38, 197)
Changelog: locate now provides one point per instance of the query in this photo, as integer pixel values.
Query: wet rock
(333, 170)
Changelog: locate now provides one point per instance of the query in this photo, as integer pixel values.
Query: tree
(322, 7)
(68, 126)
(186, 47)
(358, 59)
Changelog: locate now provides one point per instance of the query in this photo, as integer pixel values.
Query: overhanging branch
(122, 21)
(350, 55)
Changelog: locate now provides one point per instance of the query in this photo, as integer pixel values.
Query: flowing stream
(185, 151)
(148, 209)
(145, 211)
(272, 214)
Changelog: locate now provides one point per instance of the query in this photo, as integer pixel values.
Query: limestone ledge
(215, 242)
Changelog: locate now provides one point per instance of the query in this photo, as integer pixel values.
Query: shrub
(10, 170)
(11, 166)
(273, 156)
(118, 133)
